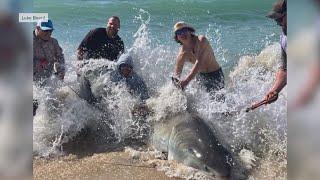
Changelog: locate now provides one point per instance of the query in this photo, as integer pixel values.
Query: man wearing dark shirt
(102, 42)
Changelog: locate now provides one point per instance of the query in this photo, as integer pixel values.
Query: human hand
(59, 70)
(184, 83)
(61, 76)
(271, 96)
(176, 82)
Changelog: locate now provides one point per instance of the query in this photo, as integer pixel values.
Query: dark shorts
(212, 81)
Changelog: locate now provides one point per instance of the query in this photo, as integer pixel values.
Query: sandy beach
(109, 165)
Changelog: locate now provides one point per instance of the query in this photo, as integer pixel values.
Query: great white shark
(189, 140)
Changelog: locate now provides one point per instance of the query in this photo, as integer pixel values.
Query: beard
(111, 31)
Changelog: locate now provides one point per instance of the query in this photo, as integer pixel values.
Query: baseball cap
(180, 25)
(45, 24)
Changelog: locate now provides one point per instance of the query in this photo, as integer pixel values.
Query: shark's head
(202, 151)
(206, 159)
(197, 159)
(192, 143)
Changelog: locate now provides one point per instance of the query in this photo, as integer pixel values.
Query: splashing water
(152, 60)
(58, 118)
(263, 131)
(61, 112)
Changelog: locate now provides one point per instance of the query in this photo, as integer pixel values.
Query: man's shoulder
(137, 78)
(118, 38)
(53, 40)
(202, 39)
(99, 30)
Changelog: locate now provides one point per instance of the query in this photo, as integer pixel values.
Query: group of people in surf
(105, 43)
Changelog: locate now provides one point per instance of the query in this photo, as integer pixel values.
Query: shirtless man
(197, 50)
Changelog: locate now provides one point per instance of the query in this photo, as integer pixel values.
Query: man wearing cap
(279, 14)
(198, 51)
(47, 54)
(102, 42)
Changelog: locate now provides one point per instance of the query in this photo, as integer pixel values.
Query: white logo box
(32, 17)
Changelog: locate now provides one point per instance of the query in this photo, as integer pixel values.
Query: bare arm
(279, 84)
(281, 76)
(281, 81)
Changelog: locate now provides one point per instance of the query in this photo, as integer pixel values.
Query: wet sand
(110, 165)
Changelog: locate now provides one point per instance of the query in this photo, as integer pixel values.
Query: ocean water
(245, 43)
(234, 27)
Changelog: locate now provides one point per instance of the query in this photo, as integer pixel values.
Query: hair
(115, 17)
(125, 65)
(284, 7)
(189, 29)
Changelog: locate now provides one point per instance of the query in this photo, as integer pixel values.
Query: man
(48, 57)
(123, 73)
(102, 42)
(198, 51)
(279, 14)
(126, 74)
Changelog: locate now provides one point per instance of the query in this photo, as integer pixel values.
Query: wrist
(274, 90)
(188, 79)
